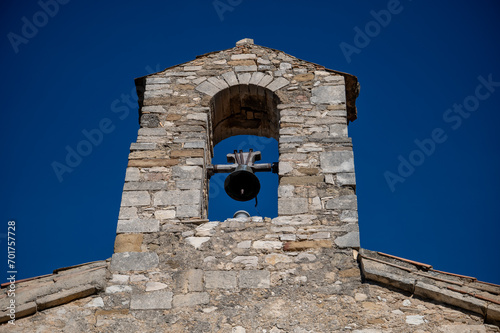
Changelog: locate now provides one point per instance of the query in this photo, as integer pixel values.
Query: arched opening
(220, 205)
(244, 110)
(244, 117)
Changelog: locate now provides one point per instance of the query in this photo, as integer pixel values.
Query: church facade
(173, 270)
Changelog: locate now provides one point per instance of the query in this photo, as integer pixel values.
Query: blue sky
(428, 106)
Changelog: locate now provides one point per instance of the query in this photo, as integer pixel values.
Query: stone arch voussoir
(213, 85)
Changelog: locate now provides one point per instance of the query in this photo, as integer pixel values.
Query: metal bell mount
(242, 184)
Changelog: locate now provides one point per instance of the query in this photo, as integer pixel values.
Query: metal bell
(242, 184)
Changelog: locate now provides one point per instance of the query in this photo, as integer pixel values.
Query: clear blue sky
(65, 73)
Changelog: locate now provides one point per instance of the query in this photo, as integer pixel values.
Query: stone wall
(175, 271)
(249, 89)
(231, 283)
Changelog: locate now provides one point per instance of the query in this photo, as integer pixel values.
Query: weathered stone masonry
(175, 271)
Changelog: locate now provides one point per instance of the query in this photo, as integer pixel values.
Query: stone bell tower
(173, 258)
(173, 270)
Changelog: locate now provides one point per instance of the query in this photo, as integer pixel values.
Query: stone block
(142, 146)
(157, 162)
(328, 95)
(379, 272)
(337, 161)
(137, 226)
(338, 130)
(244, 78)
(221, 84)
(285, 66)
(157, 80)
(177, 197)
(230, 78)
(220, 279)
(345, 178)
(292, 206)
(188, 184)
(196, 242)
(127, 213)
(267, 245)
(180, 74)
(244, 245)
(351, 239)
(206, 229)
(304, 77)
(306, 245)
(133, 261)
(187, 153)
(128, 243)
(195, 144)
(242, 63)
(187, 211)
(266, 79)
(285, 167)
(194, 279)
(343, 202)
(277, 84)
(493, 313)
(187, 172)
(256, 77)
(243, 56)
(320, 235)
(302, 180)
(65, 296)
(251, 68)
(154, 109)
(152, 132)
(201, 116)
(276, 258)
(147, 154)
(153, 286)
(245, 41)
(132, 174)
(118, 289)
(288, 237)
(349, 216)
(192, 68)
(155, 300)
(450, 297)
(254, 279)
(191, 299)
(70, 279)
(195, 161)
(135, 198)
(285, 191)
(207, 88)
(248, 261)
(145, 186)
(165, 214)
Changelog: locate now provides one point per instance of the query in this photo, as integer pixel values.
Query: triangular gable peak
(244, 64)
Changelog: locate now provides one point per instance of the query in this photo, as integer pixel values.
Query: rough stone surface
(128, 243)
(155, 300)
(337, 161)
(343, 202)
(135, 198)
(133, 261)
(349, 240)
(298, 272)
(220, 280)
(292, 206)
(254, 279)
(191, 299)
(328, 95)
(138, 225)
